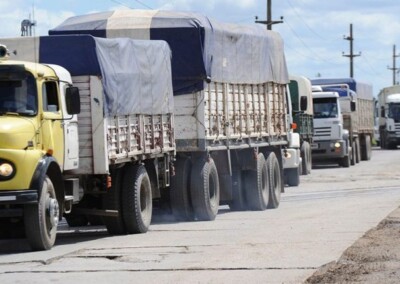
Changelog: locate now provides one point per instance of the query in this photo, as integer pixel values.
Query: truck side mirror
(383, 111)
(303, 103)
(72, 100)
(353, 106)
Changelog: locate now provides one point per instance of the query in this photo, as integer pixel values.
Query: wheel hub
(54, 211)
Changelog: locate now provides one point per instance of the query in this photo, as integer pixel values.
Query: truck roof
(363, 90)
(202, 48)
(317, 95)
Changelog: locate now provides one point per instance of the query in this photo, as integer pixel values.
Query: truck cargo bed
(231, 115)
(106, 141)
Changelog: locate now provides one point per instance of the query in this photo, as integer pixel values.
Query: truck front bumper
(393, 137)
(326, 150)
(18, 197)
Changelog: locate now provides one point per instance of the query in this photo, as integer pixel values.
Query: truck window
(19, 96)
(394, 112)
(50, 97)
(325, 108)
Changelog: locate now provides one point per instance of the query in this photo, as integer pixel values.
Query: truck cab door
(52, 127)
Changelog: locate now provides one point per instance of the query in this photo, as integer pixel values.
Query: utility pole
(394, 69)
(269, 22)
(351, 55)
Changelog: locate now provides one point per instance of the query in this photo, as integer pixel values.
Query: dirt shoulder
(374, 258)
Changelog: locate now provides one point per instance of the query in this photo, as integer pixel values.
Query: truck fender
(48, 166)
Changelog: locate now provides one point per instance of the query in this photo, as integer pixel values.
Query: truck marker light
(109, 182)
(286, 154)
(6, 170)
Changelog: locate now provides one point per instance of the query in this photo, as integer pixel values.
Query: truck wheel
(358, 151)
(366, 150)
(306, 158)
(257, 185)
(181, 207)
(238, 202)
(137, 206)
(345, 161)
(275, 181)
(204, 189)
(112, 201)
(41, 219)
(293, 177)
(353, 153)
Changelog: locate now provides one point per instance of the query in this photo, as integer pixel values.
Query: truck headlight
(337, 145)
(6, 170)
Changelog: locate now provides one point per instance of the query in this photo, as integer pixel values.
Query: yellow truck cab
(38, 141)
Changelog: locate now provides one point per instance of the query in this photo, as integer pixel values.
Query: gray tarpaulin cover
(202, 48)
(136, 74)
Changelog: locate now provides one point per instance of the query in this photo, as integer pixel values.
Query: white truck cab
(331, 140)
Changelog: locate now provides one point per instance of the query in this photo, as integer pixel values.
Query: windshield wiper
(9, 113)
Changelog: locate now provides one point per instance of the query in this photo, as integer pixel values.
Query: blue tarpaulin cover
(202, 48)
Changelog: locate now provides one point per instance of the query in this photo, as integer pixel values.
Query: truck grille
(322, 132)
(397, 128)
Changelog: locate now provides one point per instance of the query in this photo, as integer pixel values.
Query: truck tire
(366, 150)
(204, 189)
(306, 158)
(181, 206)
(137, 203)
(238, 202)
(345, 162)
(353, 153)
(41, 219)
(256, 184)
(358, 151)
(274, 180)
(112, 201)
(293, 176)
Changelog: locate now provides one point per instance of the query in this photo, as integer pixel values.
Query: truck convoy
(343, 121)
(388, 109)
(105, 136)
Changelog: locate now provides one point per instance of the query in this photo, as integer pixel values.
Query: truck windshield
(325, 108)
(394, 112)
(18, 96)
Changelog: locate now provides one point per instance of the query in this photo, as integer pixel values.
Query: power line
(143, 4)
(305, 45)
(301, 18)
(122, 4)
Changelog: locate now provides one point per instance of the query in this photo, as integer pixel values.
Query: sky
(313, 30)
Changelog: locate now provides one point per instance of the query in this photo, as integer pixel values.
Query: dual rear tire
(131, 196)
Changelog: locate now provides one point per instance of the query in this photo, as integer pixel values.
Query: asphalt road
(314, 224)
